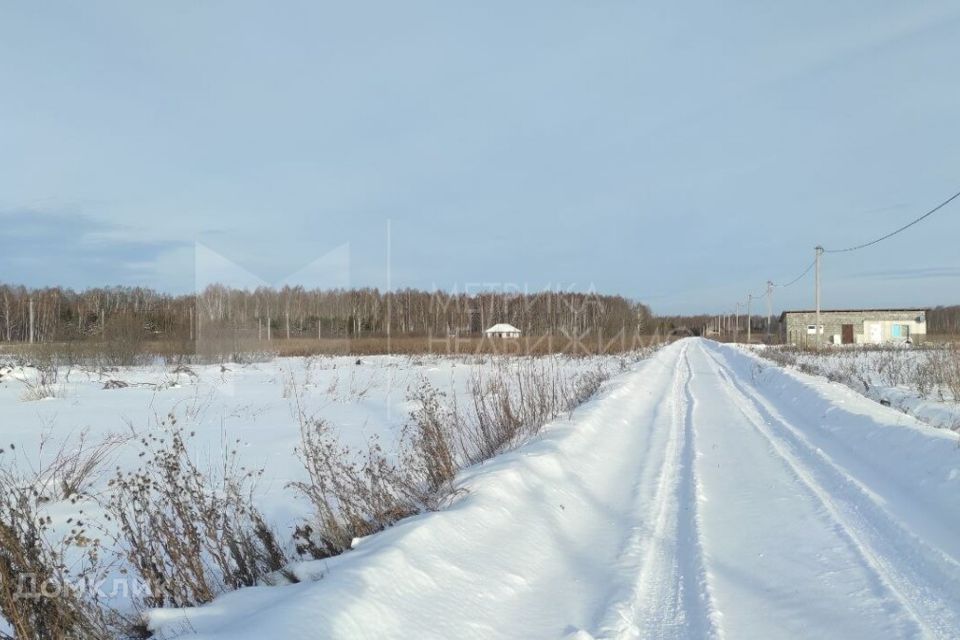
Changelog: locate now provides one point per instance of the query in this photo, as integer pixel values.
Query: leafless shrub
(188, 534)
(951, 374)
(940, 373)
(932, 372)
(783, 356)
(357, 493)
(586, 385)
(182, 369)
(46, 383)
(508, 405)
(74, 467)
(892, 367)
(68, 470)
(123, 341)
(491, 422)
(41, 598)
(431, 438)
(354, 494)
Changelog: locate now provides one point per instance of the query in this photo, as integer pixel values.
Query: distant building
(855, 326)
(502, 330)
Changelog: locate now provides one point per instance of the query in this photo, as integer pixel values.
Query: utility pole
(816, 329)
(749, 300)
(736, 325)
(769, 305)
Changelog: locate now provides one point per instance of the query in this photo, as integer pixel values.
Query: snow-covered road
(704, 494)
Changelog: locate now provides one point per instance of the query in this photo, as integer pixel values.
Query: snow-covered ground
(705, 492)
(253, 407)
(920, 382)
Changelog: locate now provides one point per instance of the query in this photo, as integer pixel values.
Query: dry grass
(431, 436)
(353, 493)
(357, 493)
(513, 401)
(588, 344)
(940, 373)
(46, 383)
(932, 371)
(123, 351)
(941, 338)
(66, 471)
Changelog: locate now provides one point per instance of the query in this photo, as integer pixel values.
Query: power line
(903, 228)
(799, 277)
(816, 263)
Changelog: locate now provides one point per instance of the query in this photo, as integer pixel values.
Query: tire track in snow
(698, 592)
(667, 596)
(901, 561)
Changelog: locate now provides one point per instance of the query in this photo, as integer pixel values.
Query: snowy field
(703, 493)
(254, 409)
(256, 404)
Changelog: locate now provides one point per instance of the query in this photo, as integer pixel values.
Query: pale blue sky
(679, 155)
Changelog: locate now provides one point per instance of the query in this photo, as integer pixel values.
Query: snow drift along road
(705, 494)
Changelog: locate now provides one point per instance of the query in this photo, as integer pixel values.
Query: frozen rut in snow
(663, 560)
(704, 494)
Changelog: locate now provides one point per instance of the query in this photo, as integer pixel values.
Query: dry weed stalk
(41, 597)
(190, 535)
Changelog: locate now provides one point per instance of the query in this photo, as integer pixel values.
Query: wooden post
(816, 329)
(6, 317)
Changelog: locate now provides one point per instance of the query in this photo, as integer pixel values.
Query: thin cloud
(72, 249)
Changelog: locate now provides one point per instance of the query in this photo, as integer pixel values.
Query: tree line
(944, 319)
(56, 314)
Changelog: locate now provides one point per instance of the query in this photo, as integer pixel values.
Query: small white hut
(502, 330)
